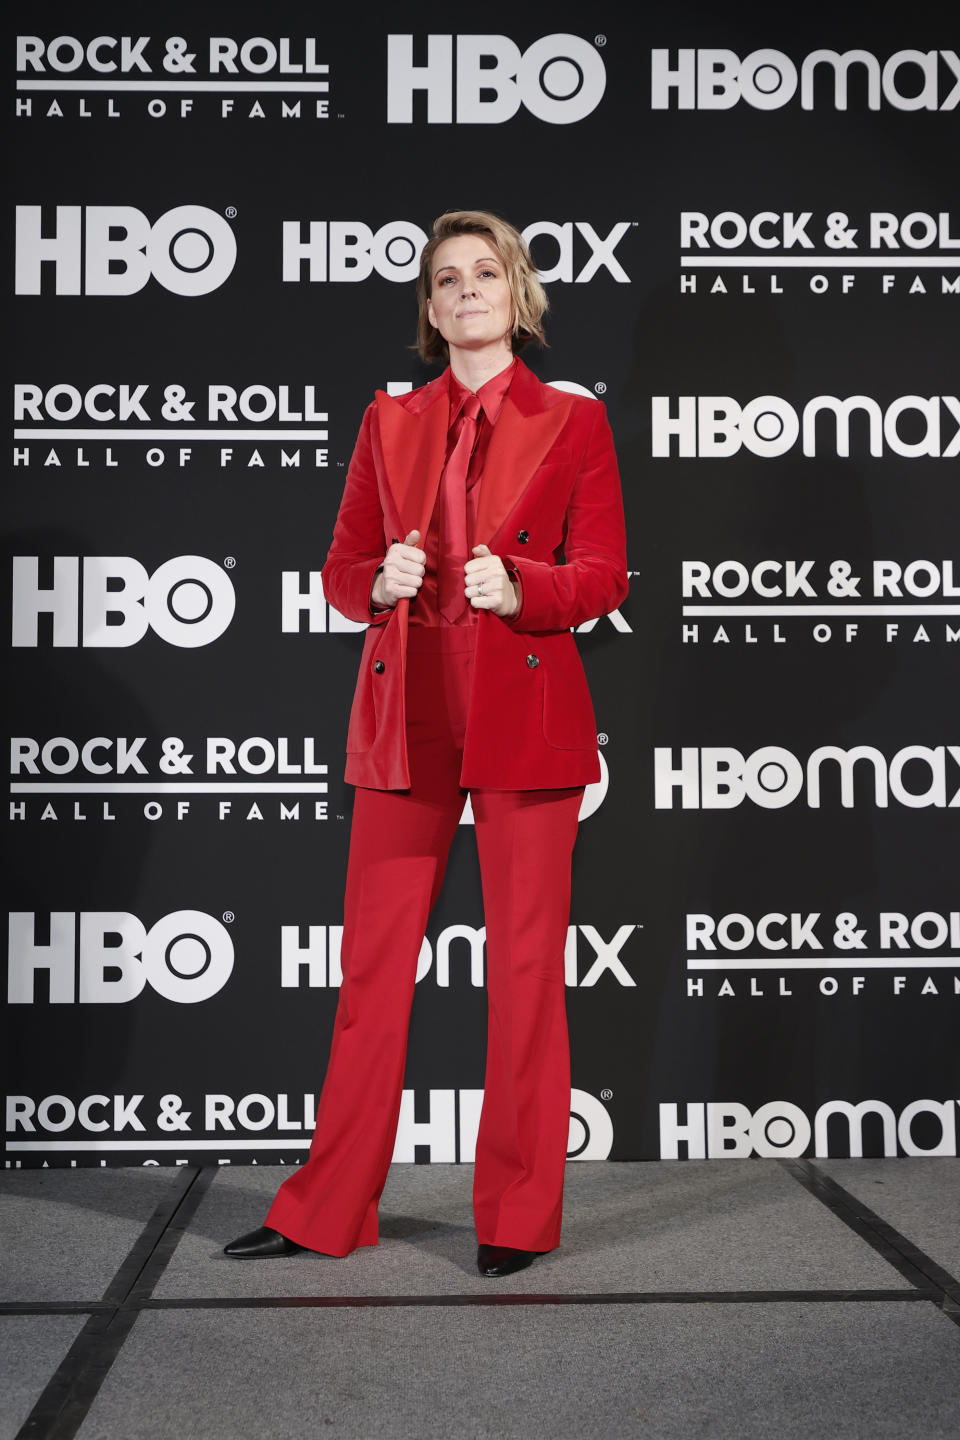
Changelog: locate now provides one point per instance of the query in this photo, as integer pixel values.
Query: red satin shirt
(424, 608)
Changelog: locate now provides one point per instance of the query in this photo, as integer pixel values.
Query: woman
(507, 495)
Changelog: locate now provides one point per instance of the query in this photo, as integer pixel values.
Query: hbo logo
(349, 250)
(188, 601)
(190, 250)
(450, 1121)
(560, 79)
(108, 957)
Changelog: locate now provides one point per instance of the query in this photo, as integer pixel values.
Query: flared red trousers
(398, 850)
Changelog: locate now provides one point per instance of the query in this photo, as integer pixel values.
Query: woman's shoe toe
(262, 1244)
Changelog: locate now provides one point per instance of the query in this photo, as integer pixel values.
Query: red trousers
(398, 850)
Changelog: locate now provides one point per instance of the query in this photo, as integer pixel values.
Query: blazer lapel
(414, 445)
(524, 432)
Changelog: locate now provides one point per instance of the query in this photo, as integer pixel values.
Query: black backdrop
(153, 955)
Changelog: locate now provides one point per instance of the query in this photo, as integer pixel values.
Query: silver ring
(479, 587)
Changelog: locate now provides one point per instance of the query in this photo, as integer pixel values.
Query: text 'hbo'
(105, 957)
(559, 78)
(188, 601)
(114, 250)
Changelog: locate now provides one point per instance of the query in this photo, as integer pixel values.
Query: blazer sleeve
(358, 547)
(592, 579)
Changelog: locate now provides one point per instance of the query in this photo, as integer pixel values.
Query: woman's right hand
(402, 573)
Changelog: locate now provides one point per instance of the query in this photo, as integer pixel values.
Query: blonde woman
(481, 520)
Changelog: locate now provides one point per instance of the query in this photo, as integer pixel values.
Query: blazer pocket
(362, 729)
(568, 719)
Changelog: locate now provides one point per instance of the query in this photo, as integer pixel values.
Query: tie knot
(472, 407)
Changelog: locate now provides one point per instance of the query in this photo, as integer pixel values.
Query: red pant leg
(398, 848)
(525, 839)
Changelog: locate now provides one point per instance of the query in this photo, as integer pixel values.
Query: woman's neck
(474, 368)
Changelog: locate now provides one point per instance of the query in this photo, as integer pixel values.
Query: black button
(379, 666)
(523, 536)
(533, 661)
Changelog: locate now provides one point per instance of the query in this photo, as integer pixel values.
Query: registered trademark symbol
(606, 1094)
(600, 388)
(230, 562)
(231, 212)
(600, 41)
(602, 738)
(228, 917)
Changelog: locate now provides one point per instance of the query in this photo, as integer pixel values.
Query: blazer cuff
(514, 574)
(376, 610)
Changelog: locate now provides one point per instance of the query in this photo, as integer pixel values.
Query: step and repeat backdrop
(751, 240)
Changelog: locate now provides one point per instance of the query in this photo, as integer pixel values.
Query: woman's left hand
(488, 586)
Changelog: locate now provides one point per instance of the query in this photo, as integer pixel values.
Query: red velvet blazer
(550, 506)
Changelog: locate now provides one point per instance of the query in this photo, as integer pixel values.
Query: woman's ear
(432, 315)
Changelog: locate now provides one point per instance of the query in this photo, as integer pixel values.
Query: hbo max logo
(107, 957)
(114, 250)
(718, 777)
(188, 601)
(559, 79)
(769, 79)
(731, 1131)
(349, 250)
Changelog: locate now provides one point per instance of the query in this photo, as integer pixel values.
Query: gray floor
(712, 1298)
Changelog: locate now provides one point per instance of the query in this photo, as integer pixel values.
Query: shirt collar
(491, 393)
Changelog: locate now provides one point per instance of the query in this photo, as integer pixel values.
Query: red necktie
(453, 516)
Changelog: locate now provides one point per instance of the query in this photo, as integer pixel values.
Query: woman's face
(470, 301)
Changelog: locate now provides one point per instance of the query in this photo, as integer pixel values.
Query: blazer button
(533, 661)
(523, 536)
(379, 666)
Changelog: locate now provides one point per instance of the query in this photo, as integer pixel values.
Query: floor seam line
(653, 1297)
(835, 1294)
(66, 1398)
(900, 1253)
(131, 1268)
(54, 1307)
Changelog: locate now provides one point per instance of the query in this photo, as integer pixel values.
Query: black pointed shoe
(262, 1244)
(496, 1260)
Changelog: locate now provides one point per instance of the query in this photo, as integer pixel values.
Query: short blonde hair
(530, 302)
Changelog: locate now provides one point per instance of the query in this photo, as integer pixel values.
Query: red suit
(496, 707)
